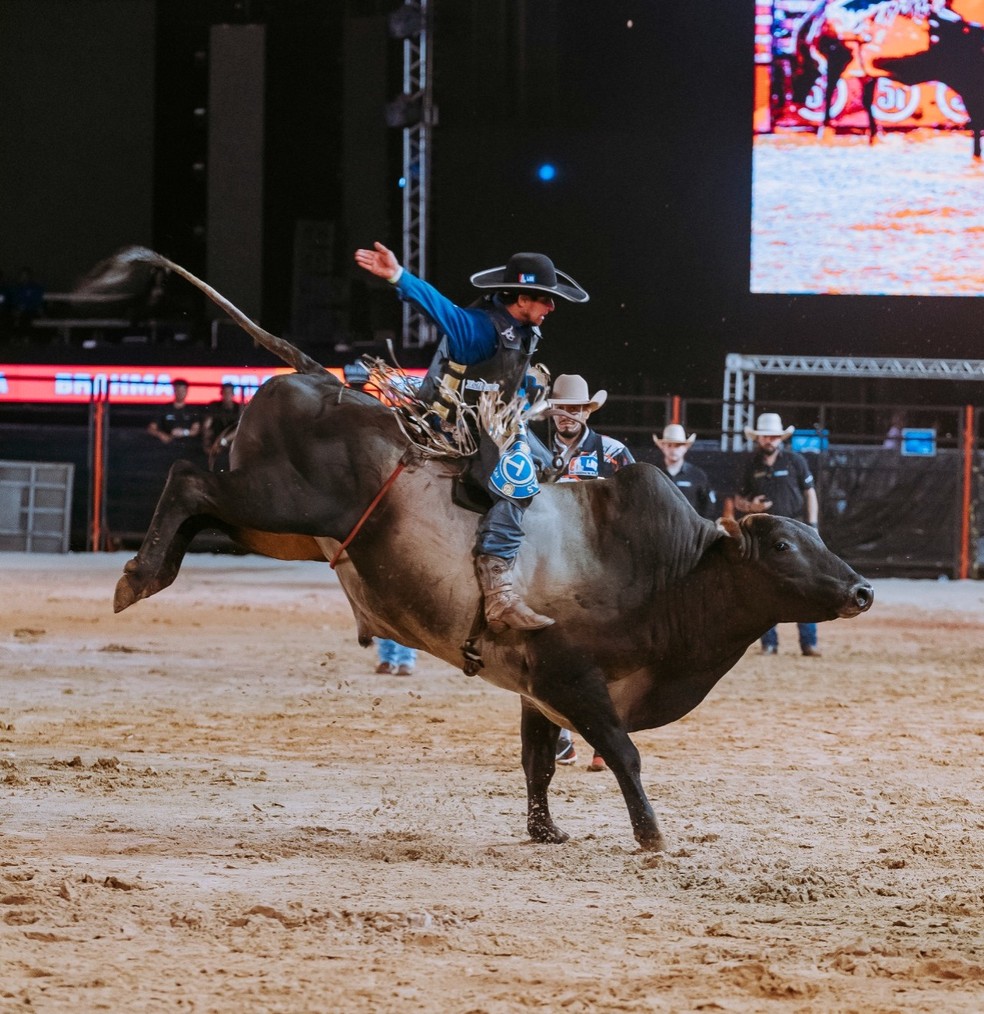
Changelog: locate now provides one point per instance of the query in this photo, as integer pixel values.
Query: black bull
(653, 604)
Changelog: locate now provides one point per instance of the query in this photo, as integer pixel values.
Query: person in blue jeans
(777, 481)
(395, 659)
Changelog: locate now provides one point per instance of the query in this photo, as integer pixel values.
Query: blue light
(402, 182)
(546, 172)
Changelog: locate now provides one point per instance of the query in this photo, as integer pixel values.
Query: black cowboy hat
(534, 272)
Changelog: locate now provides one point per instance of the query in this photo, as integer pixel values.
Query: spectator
(583, 454)
(221, 417)
(689, 479)
(177, 420)
(395, 659)
(777, 481)
(893, 438)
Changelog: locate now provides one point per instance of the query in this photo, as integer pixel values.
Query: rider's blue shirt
(470, 332)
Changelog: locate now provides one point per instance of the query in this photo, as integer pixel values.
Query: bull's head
(787, 561)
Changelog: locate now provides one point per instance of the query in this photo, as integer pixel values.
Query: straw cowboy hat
(534, 272)
(674, 434)
(570, 389)
(769, 425)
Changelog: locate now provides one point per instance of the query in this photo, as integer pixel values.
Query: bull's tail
(281, 348)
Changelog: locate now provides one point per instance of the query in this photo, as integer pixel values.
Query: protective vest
(588, 461)
(502, 372)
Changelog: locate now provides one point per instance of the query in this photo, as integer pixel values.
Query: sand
(212, 803)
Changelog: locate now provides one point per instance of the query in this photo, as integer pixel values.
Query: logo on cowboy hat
(531, 271)
(570, 389)
(674, 434)
(769, 425)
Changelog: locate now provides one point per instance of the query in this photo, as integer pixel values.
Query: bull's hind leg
(539, 738)
(190, 497)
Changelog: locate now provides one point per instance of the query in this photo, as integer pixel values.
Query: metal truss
(418, 331)
(738, 410)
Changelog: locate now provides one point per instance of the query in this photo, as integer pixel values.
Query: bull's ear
(736, 538)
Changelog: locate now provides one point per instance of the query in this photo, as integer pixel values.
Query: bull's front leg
(621, 755)
(181, 512)
(578, 691)
(539, 739)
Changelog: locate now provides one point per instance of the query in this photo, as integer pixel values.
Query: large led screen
(864, 175)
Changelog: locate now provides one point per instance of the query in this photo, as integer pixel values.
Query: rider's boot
(503, 606)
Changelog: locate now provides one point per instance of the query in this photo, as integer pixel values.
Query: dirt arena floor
(836, 214)
(211, 803)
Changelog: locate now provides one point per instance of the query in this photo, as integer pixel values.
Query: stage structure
(738, 405)
(415, 113)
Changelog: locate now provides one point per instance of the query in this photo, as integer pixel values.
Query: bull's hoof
(653, 842)
(125, 595)
(547, 834)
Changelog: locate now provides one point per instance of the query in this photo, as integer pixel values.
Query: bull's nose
(863, 595)
(857, 600)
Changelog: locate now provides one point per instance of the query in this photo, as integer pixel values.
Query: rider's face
(533, 309)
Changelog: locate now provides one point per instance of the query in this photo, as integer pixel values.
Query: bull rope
(502, 421)
(365, 514)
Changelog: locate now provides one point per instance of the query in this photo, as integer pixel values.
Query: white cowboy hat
(533, 272)
(570, 389)
(769, 425)
(674, 434)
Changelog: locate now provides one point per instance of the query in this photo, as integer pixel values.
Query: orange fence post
(97, 473)
(675, 409)
(968, 479)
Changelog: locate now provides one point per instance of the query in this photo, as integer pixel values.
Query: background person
(176, 420)
(689, 479)
(220, 416)
(395, 659)
(893, 437)
(585, 454)
(777, 481)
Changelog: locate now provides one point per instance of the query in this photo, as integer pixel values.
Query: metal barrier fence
(883, 512)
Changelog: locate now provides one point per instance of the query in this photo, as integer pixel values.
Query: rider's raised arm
(471, 334)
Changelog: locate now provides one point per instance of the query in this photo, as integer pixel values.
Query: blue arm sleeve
(471, 335)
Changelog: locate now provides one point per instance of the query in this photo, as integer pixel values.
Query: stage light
(405, 22)
(546, 172)
(405, 111)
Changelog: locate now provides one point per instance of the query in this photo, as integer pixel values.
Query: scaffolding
(738, 404)
(418, 331)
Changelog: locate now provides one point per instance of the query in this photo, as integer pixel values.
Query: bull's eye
(781, 547)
